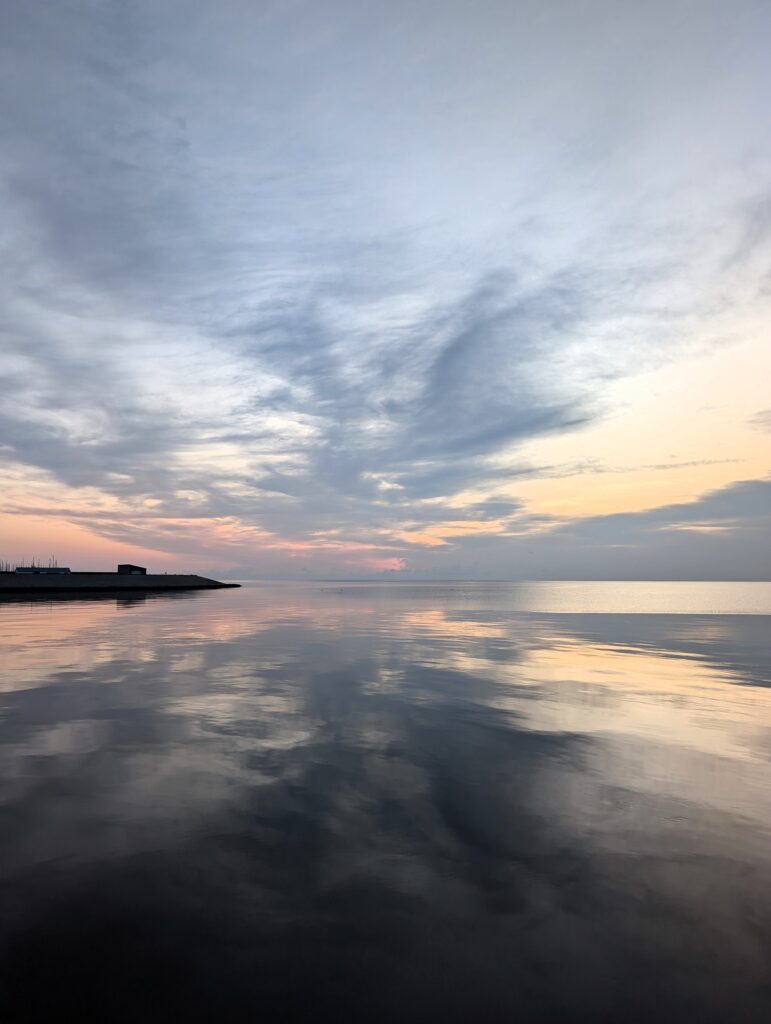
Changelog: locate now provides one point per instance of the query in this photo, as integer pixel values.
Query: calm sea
(396, 802)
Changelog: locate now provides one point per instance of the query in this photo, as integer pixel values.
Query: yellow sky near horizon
(670, 435)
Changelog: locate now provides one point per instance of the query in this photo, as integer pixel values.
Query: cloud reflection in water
(383, 803)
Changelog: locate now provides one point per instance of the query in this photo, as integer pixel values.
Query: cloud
(341, 299)
(723, 535)
(762, 420)
(746, 503)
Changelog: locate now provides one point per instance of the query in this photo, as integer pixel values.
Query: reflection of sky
(581, 795)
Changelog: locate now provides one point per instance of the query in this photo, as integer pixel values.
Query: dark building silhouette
(132, 570)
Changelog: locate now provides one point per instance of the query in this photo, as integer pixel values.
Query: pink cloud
(385, 564)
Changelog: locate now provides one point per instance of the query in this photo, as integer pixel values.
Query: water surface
(388, 802)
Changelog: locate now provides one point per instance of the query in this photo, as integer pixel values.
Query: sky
(437, 289)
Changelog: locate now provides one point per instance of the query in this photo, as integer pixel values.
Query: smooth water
(456, 802)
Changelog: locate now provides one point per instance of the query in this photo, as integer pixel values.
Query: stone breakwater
(94, 582)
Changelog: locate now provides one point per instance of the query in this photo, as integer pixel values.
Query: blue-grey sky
(345, 288)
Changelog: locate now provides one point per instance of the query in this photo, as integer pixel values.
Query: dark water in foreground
(388, 803)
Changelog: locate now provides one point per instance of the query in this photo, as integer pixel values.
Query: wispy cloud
(761, 420)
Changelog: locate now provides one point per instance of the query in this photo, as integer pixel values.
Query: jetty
(35, 579)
